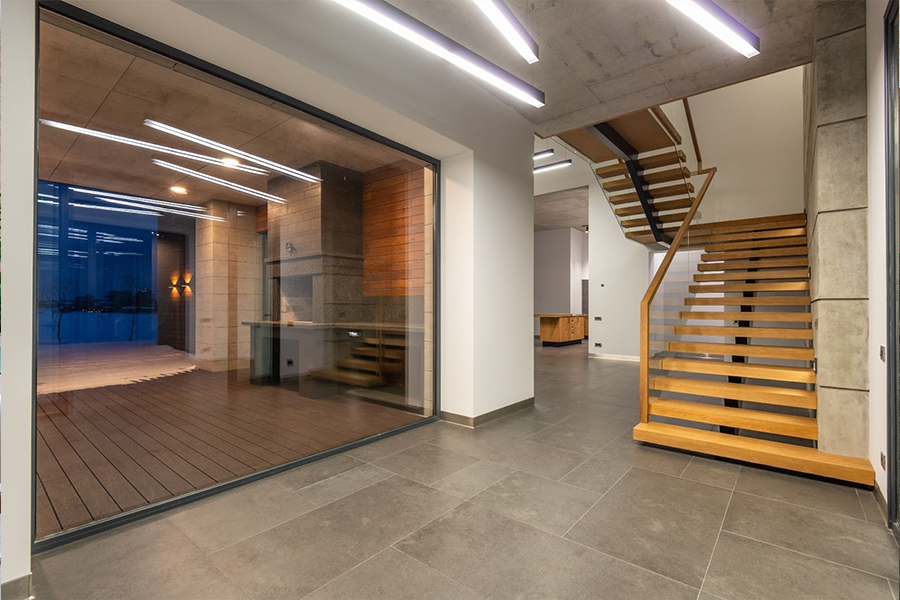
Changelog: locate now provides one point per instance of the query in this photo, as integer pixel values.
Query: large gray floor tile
(426, 463)
(662, 523)
(871, 507)
(401, 441)
(393, 575)
(237, 514)
(597, 474)
(344, 484)
(516, 426)
(501, 558)
(713, 472)
(473, 479)
(301, 555)
(857, 544)
(895, 589)
(652, 458)
(581, 437)
(812, 493)
(546, 504)
(148, 561)
(745, 569)
(316, 471)
(543, 414)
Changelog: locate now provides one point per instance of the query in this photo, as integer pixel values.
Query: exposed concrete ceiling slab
(565, 208)
(604, 58)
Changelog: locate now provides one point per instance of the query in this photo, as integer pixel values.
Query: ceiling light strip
(398, 22)
(714, 19)
(234, 186)
(183, 213)
(155, 147)
(544, 153)
(509, 26)
(115, 209)
(177, 205)
(192, 137)
(553, 166)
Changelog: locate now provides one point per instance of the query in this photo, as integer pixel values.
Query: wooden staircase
(370, 363)
(748, 369)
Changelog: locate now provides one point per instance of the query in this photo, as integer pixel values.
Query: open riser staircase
(730, 372)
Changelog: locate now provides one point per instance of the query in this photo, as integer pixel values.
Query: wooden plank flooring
(103, 451)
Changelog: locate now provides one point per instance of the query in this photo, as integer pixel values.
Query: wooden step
(758, 301)
(677, 217)
(646, 163)
(394, 342)
(745, 254)
(775, 263)
(348, 377)
(776, 243)
(388, 353)
(759, 235)
(779, 333)
(733, 369)
(762, 452)
(771, 317)
(771, 286)
(762, 394)
(658, 177)
(654, 193)
(719, 228)
(753, 350)
(740, 418)
(358, 364)
(656, 206)
(753, 275)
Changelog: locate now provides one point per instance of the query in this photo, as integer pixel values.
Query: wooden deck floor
(103, 451)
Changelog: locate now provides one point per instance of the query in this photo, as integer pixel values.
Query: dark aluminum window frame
(108, 27)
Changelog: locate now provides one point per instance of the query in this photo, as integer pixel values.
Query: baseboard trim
(17, 589)
(486, 417)
(622, 357)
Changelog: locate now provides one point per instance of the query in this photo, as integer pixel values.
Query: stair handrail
(654, 288)
(693, 132)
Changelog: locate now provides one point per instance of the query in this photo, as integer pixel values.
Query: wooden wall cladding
(394, 230)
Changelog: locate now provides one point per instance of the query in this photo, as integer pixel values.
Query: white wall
(578, 267)
(618, 267)
(559, 267)
(753, 133)
(878, 436)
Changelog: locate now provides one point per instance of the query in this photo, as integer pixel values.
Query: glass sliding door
(226, 284)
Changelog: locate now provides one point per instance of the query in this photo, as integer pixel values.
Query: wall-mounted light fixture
(544, 153)
(714, 19)
(508, 25)
(553, 166)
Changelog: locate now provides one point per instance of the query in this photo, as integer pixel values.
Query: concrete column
(837, 208)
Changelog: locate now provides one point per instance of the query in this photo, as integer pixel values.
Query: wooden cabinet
(562, 329)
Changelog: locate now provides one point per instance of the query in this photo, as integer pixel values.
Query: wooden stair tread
(388, 353)
(733, 369)
(772, 317)
(753, 275)
(664, 218)
(752, 245)
(348, 377)
(666, 176)
(764, 452)
(752, 350)
(783, 333)
(758, 235)
(735, 265)
(741, 418)
(655, 206)
(395, 342)
(762, 394)
(758, 301)
(745, 254)
(362, 364)
(718, 228)
(771, 286)
(654, 193)
(648, 162)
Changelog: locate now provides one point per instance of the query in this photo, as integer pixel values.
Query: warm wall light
(508, 25)
(553, 166)
(177, 189)
(224, 183)
(544, 153)
(398, 22)
(711, 17)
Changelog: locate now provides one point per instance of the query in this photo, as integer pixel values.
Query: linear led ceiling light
(183, 213)
(116, 209)
(544, 153)
(191, 137)
(234, 186)
(507, 23)
(718, 22)
(177, 205)
(398, 22)
(220, 162)
(553, 166)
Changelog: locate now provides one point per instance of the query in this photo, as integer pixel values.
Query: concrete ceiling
(603, 58)
(566, 208)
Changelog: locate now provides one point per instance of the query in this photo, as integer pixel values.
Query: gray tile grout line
(350, 570)
(439, 572)
(833, 562)
(715, 545)
(818, 510)
(595, 503)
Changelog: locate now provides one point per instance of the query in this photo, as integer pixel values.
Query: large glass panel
(225, 284)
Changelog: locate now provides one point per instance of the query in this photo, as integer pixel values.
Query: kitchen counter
(562, 329)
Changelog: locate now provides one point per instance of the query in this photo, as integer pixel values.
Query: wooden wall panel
(394, 231)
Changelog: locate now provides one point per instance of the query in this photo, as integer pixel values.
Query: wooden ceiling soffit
(640, 129)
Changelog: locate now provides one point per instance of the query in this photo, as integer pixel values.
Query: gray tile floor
(555, 501)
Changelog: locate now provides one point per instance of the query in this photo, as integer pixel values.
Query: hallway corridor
(555, 501)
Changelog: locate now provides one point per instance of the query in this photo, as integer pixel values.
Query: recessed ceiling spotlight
(544, 153)
(399, 23)
(508, 25)
(177, 189)
(233, 162)
(714, 19)
(553, 166)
